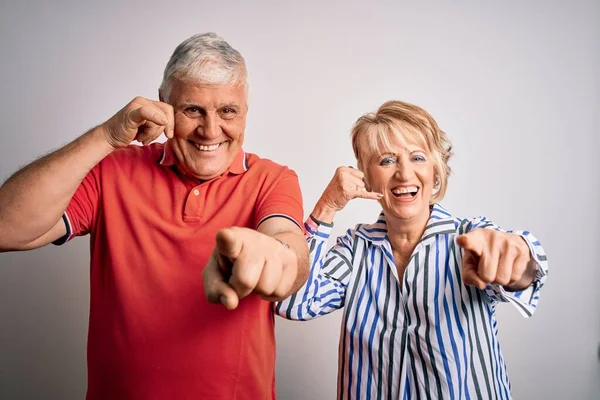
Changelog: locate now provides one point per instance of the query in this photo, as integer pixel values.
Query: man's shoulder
(135, 155)
(265, 166)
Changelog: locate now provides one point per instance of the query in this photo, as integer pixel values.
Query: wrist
(323, 213)
(102, 139)
(284, 244)
(289, 254)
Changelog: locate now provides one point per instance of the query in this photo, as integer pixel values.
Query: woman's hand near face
(347, 184)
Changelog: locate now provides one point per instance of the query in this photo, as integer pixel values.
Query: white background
(515, 86)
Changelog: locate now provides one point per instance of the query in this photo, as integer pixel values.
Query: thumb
(470, 263)
(369, 195)
(140, 115)
(229, 243)
(134, 117)
(216, 289)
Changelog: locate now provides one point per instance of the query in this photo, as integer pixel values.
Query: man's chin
(201, 167)
(204, 173)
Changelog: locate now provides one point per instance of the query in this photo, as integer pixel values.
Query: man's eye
(193, 112)
(228, 113)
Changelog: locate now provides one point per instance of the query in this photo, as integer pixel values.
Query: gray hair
(205, 59)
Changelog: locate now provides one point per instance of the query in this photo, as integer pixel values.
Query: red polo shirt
(152, 333)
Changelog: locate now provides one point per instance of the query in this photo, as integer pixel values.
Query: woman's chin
(407, 211)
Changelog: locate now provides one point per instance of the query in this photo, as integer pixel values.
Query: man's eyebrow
(230, 105)
(189, 103)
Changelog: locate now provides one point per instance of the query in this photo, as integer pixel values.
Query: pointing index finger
(471, 241)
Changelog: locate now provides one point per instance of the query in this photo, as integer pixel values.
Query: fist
(496, 257)
(142, 120)
(347, 184)
(245, 261)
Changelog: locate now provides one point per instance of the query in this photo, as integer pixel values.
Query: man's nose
(210, 129)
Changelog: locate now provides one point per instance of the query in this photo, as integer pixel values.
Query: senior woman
(419, 286)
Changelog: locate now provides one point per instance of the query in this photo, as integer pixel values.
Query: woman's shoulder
(373, 232)
(461, 224)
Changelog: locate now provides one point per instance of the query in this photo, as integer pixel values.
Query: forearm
(33, 200)
(325, 289)
(306, 302)
(299, 254)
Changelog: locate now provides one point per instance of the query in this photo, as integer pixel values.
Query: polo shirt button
(196, 192)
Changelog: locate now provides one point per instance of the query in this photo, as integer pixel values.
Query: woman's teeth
(403, 191)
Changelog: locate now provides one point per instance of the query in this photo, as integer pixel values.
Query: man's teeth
(405, 190)
(212, 147)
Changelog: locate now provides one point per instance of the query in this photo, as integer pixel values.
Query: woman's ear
(361, 168)
(436, 177)
(366, 180)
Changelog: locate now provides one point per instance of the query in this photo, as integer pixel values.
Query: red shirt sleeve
(283, 199)
(80, 215)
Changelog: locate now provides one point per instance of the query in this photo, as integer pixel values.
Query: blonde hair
(372, 134)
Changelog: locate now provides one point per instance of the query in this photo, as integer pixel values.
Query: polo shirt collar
(238, 166)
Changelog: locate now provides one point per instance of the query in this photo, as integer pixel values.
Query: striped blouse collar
(440, 222)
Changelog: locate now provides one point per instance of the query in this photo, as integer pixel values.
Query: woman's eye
(418, 158)
(388, 161)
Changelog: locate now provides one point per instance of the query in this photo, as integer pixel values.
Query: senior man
(172, 225)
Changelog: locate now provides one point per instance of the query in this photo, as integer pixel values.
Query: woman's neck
(404, 234)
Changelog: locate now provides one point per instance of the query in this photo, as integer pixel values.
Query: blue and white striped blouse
(434, 337)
